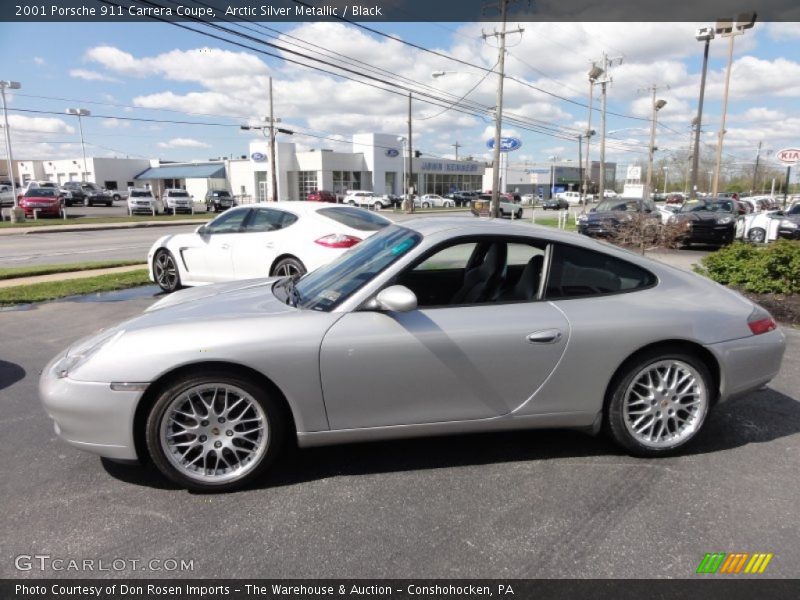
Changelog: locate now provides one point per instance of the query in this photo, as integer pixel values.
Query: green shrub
(774, 268)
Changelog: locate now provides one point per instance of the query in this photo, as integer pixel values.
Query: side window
(268, 219)
(577, 272)
(478, 271)
(228, 222)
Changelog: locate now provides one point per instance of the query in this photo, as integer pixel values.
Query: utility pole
(607, 63)
(656, 106)
(498, 109)
(16, 212)
(706, 34)
(755, 171)
(729, 29)
(580, 161)
(594, 73)
(272, 159)
(409, 171)
(456, 146)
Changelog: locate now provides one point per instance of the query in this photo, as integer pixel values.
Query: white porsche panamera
(260, 240)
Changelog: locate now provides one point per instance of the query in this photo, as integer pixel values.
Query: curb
(98, 227)
(67, 275)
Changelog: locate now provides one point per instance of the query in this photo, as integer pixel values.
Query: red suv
(321, 196)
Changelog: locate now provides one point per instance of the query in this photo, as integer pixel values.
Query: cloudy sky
(158, 73)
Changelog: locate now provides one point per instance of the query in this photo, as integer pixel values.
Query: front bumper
(90, 415)
(748, 363)
(711, 234)
(789, 234)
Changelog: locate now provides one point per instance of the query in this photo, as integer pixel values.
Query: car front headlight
(79, 354)
(787, 224)
(724, 220)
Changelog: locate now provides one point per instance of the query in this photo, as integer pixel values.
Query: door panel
(219, 264)
(435, 365)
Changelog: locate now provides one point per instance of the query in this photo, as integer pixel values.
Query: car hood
(702, 215)
(234, 297)
(607, 215)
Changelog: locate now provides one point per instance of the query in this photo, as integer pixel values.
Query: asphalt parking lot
(529, 504)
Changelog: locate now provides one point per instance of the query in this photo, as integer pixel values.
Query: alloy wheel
(665, 404)
(214, 433)
(165, 271)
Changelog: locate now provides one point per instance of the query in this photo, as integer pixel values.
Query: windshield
(331, 284)
(795, 210)
(141, 195)
(617, 205)
(709, 205)
(179, 194)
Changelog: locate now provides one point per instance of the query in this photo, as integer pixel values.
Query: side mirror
(396, 298)
(201, 230)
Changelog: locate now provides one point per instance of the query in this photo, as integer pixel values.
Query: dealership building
(545, 178)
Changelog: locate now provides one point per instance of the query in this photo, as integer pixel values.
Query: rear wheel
(165, 271)
(426, 205)
(86, 201)
(288, 267)
(659, 403)
(214, 432)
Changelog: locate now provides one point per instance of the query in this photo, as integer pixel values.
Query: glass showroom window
(307, 183)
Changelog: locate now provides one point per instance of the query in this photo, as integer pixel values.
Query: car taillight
(338, 240)
(760, 321)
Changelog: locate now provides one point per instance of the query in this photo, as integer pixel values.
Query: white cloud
(38, 124)
(115, 123)
(91, 76)
(783, 31)
(183, 143)
(38, 60)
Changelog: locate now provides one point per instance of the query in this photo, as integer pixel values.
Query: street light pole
(11, 85)
(81, 112)
(706, 34)
(657, 105)
(273, 174)
(728, 29)
(594, 74)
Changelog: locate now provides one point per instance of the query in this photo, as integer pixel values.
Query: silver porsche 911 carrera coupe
(434, 326)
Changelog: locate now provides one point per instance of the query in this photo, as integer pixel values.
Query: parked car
(572, 198)
(6, 196)
(610, 214)
(34, 184)
(709, 220)
(555, 203)
(767, 226)
(675, 199)
(178, 200)
(530, 199)
(260, 240)
(433, 326)
(85, 193)
(143, 201)
(435, 201)
(321, 196)
(47, 201)
(367, 199)
(219, 200)
(506, 208)
(118, 195)
(607, 194)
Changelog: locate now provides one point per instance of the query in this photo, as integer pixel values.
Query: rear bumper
(747, 364)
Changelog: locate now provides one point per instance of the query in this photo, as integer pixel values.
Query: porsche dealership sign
(788, 156)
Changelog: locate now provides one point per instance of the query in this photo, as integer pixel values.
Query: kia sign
(258, 156)
(507, 144)
(392, 152)
(788, 156)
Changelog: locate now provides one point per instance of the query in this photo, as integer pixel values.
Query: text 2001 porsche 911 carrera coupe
(435, 326)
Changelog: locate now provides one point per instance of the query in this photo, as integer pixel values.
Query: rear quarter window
(579, 272)
(355, 218)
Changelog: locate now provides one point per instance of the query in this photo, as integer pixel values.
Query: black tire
(614, 418)
(165, 271)
(519, 214)
(116, 197)
(86, 201)
(272, 440)
(426, 205)
(757, 235)
(288, 267)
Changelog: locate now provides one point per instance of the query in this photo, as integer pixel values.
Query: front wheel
(86, 202)
(757, 235)
(426, 205)
(165, 271)
(214, 432)
(519, 214)
(288, 267)
(659, 403)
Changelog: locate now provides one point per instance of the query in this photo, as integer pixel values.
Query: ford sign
(507, 144)
(392, 152)
(258, 156)
(788, 156)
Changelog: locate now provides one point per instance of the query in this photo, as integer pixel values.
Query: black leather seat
(528, 285)
(482, 280)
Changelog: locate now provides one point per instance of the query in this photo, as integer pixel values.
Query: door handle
(225, 246)
(269, 245)
(545, 336)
